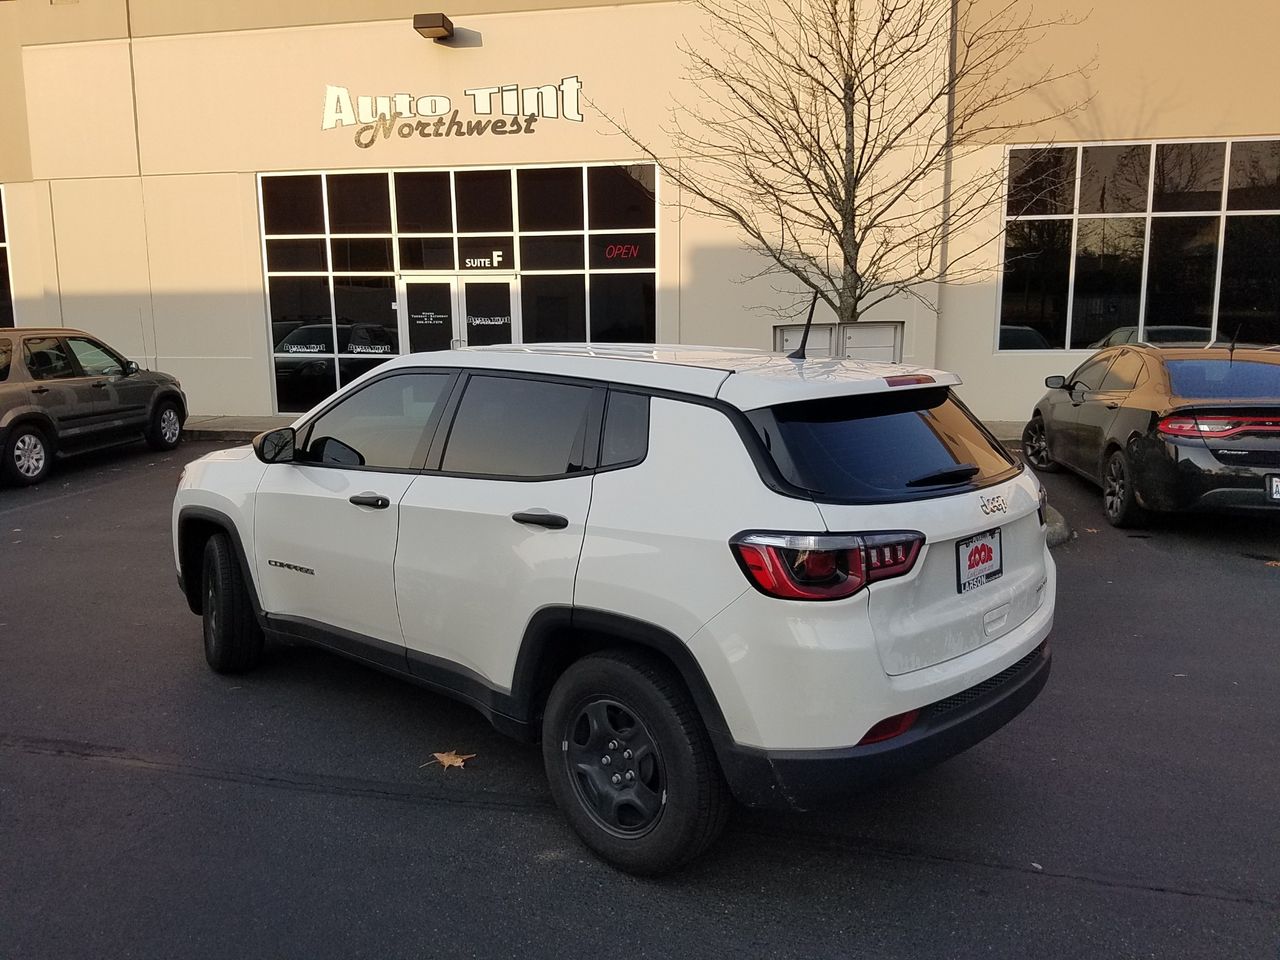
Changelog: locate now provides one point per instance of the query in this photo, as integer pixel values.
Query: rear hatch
(917, 460)
(1232, 405)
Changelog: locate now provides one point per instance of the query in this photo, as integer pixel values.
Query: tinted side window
(47, 358)
(94, 359)
(1124, 373)
(382, 425)
(1091, 373)
(6, 359)
(519, 428)
(626, 429)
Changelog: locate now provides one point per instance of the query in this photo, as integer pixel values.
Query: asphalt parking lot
(149, 808)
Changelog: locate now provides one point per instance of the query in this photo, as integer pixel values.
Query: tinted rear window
(1247, 379)
(904, 445)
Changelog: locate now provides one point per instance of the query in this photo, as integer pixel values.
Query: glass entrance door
(430, 310)
(490, 311)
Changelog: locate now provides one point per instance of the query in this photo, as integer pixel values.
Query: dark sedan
(1165, 428)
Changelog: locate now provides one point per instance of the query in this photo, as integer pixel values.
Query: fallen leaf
(1036, 865)
(1090, 529)
(1273, 563)
(449, 758)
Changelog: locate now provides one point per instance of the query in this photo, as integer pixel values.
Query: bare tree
(826, 132)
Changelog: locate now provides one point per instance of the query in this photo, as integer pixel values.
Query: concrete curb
(228, 435)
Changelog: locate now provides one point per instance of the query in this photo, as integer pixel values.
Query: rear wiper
(957, 474)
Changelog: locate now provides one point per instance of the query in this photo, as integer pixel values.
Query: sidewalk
(234, 429)
(244, 429)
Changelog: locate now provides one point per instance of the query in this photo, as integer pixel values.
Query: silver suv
(63, 391)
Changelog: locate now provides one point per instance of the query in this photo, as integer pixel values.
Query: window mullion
(1071, 264)
(1146, 246)
(1222, 239)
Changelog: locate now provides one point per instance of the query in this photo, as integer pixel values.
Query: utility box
(865, 340)
(822, 339)
(872, 340)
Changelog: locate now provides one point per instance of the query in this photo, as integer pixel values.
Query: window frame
(1222, 212)
(302, 431)
(399, 273)
(6, 241)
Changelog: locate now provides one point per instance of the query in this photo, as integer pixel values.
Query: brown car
(63, 391)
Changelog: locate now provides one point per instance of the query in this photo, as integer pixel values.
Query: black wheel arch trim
(191, 586)
(32, 415)
(529, 683)
(168, 392)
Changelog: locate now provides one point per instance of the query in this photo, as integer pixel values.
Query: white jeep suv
(692, 573)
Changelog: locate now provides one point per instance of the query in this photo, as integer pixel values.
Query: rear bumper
(805, 779)
(1178, 475)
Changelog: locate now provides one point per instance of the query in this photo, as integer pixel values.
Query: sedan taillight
(822, 566)
(1217, 427)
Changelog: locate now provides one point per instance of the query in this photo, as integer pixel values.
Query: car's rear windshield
(1226, 379)
(902, 445)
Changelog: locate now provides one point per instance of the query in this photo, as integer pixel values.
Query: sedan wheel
(1035, 447)
(1119, 501)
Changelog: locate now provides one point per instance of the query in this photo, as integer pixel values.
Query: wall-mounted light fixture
(433, 26)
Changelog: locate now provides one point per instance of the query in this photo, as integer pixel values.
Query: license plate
(978, 561)
(1273, 486)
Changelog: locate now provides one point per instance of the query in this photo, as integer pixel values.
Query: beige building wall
(149, 234)
(1174, 69)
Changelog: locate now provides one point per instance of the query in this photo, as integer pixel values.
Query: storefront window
(524, 255)
(1090, 261)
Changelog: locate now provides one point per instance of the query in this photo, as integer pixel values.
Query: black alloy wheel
(615, 766)
(1035, 447)
(1119, 499)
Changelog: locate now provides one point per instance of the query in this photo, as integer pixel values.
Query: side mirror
(130, 368)
(276, 446)
(1055, 383)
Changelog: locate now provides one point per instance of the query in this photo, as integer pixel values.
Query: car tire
(630, 763)
(1119, 497)
(164, 432)
(28, 456)
(1035, 447)
(232, 636)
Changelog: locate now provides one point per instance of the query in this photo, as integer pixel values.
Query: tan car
(63, 391)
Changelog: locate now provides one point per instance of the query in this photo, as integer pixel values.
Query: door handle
(100, 385)
(375, 500)
(39, 389)
(1113, 405)
(552, 521)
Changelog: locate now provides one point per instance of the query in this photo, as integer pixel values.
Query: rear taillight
(822, 566)
(1217, 427)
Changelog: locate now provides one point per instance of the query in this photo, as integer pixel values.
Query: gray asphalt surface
(149, 808)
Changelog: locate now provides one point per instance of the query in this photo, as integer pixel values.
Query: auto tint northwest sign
(504, 110)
